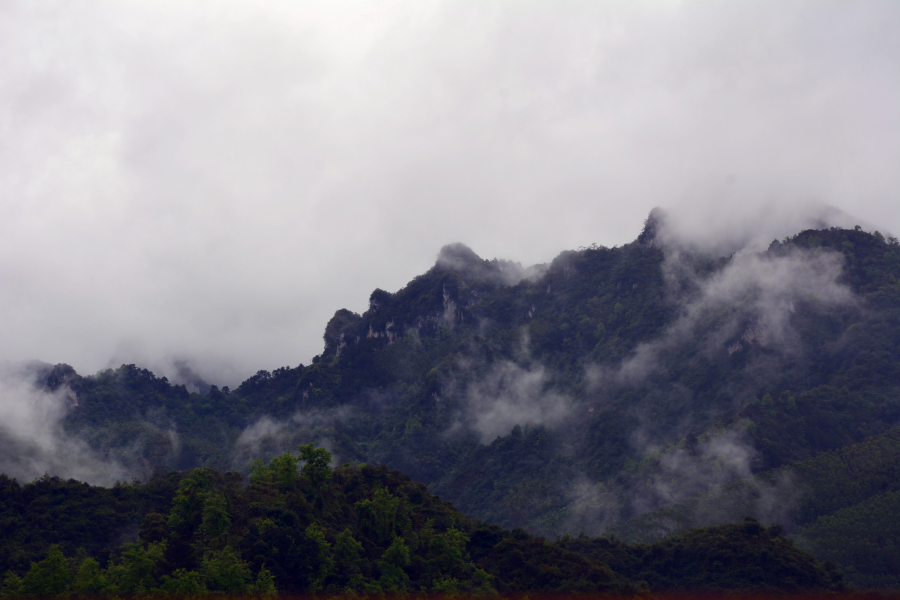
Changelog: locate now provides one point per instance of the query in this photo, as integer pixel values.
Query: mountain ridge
(607, 384)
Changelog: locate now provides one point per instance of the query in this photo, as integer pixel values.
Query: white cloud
(211, 180)
(32, 440)
(508, 395)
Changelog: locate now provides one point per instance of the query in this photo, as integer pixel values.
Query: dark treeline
(351, 530)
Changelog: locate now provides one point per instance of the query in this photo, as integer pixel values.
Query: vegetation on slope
(840, 506)
(862, 537)
(362, 529)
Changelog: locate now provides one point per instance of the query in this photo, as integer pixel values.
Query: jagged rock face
(460, 259)
(652, 226)
(334, 338)
(442, 297)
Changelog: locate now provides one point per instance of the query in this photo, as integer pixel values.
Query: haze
(209, 181)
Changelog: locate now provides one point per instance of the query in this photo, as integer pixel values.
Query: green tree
(446, 586)
(49, 577)
(447, 551)
(226, 572)
(189, 500)
(12, 585)
(391, 565)
(259, 472)
(265, 584)
(346, 556)
(284, 470)
(134, 575)
(485, 582)
(281, 471)
(154, 528)
(317, 463)
(216, 520)
(89, 579)
(325, 558)
(382, 515)
(184, 584)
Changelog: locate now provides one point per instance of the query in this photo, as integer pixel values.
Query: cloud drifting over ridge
(508, 395)
(210, 181)
(749, 301)
(267, 437)
(713, 484)
(32, 441)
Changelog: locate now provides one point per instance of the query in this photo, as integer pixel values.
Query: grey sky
(212, 180)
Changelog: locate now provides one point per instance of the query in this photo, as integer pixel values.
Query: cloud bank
(748, 302)
(705, 483)
(32, 441)
(510, 394)
(208, 182)
(268, 437)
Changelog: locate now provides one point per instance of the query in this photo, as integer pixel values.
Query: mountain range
(635, 392)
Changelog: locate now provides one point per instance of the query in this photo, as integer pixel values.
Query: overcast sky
(212, 180)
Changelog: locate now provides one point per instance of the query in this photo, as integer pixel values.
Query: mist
(205, 183)
(509, 394)
(267, 437)
(725, 219)
(748, 301)
(704, 483)
(33, 442)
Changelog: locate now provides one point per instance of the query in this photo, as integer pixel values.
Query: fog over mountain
(673, 382)
(32, 439)
(196, 186)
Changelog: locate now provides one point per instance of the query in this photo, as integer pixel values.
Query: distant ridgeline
(624, 390)
(353, 530)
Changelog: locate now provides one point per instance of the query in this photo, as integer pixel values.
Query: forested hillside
(592, 394)
(351, 530)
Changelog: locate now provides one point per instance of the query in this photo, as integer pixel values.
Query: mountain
(577, 396)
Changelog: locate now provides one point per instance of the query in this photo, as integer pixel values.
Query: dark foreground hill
(359, 529)
(572, 397)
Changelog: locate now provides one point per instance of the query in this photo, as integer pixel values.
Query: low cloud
(461, 259)
(213, 184)
(748, 302)
(268, 437)
(706, 482)
(509, 395)
(724, 217)
(32, 440)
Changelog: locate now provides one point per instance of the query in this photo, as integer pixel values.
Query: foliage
(316, 467)
(73, 515)
(327, 535)
(846, 509)
(725, 557)
(863, 537)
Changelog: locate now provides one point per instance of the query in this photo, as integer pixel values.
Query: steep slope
(840, 506)
(862, 538)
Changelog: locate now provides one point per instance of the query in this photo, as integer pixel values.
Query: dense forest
(641, 391)
(349, 530)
